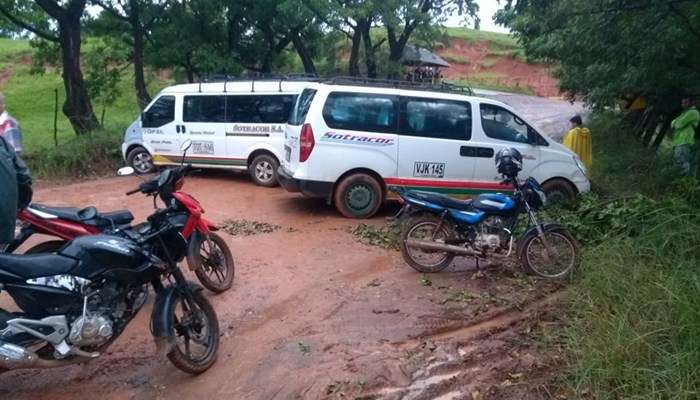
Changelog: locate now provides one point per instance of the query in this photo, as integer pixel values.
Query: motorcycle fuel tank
(101, 253)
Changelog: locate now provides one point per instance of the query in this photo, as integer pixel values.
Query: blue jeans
(685, 158)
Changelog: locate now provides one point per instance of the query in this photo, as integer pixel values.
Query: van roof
(249, 86)
(409, 93)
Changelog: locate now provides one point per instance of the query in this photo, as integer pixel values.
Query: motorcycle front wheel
(195, 334)
(553, 255)
(210, 258)
(426, 228)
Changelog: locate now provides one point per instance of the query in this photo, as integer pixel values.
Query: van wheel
(140, 160)
(263, 170)
(559, 192)
(358, 196)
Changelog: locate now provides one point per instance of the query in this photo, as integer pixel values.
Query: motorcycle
(76, 302)
(441, 228)
(208, 255)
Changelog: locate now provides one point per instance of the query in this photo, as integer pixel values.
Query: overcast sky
(487, 8)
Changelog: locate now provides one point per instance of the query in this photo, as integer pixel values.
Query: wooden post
(55, 118)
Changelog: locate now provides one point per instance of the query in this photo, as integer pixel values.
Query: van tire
(140, 160)
(358, 196)
(263, 170)
(559, 191)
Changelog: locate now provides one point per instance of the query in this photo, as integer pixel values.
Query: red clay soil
(511, 71)
(314, 314)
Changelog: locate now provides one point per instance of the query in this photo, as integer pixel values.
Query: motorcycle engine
(90, 330)
(491, 235)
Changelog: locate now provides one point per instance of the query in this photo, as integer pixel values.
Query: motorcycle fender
(205, 226)
(161, 318)
(532, 231)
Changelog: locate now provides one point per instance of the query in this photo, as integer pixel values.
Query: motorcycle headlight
(580, 165)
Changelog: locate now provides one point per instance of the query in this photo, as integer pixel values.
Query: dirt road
(315, 314)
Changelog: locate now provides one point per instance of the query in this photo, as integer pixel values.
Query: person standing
(683, 136)
(15, 190)
(578, 140)
(9, 127)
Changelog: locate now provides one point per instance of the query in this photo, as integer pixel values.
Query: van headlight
(580, 165)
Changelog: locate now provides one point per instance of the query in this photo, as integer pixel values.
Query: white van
(235, 125)
(348, 143)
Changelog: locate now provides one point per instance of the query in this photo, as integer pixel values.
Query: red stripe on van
(446, 184)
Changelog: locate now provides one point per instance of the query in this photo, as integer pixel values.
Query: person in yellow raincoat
(578, 140)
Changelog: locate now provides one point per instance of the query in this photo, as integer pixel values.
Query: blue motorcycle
(441, 227)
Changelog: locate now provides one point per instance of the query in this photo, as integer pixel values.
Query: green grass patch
(489, 62)
(493, 81)
(455, 58)
(497, 40)
(634, 322)
(13, 48)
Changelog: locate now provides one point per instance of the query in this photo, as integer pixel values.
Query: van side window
(269, 109)
(301, 108)
(204, 109)
(361, 112)
(499, 123)
(439, 119)
(160, 113)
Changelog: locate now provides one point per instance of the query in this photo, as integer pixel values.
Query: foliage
(244, 227)
(635, 316)
(89, 155)
(386, 236)
(609, 49)
(104, 72)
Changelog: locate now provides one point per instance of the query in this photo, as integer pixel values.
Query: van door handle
(475, 151)
(177, 128)
(183, 129)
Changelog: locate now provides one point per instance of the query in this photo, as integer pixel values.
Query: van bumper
(305, 187)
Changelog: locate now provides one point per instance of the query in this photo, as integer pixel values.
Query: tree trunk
(354, 64)
(77, 106)
(303, 52)
(654, 128)
(189, 69)
(142, 96)
(370, 56)
(662, 133)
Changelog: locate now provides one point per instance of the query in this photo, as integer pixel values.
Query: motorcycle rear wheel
(423, 227)
(198, 326)
(212, 262)
(556, 256)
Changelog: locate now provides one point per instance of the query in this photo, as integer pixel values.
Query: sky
(487, 8)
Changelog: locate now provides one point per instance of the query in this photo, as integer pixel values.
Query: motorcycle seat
(88, 215)
(441, 199)
(23, 267)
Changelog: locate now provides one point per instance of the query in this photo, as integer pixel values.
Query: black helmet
(509, 162)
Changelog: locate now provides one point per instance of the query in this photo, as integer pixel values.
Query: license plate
(429, 169)
(202, 147)
(287, 153)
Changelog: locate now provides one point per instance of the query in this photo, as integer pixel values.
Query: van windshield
(302, 106)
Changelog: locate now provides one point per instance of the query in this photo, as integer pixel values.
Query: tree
(139, 16)
(402, 17)
(59, 22)
(608, 50)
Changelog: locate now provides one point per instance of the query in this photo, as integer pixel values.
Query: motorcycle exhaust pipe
(17, 357)
(434, 246)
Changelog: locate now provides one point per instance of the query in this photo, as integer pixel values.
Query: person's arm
(685, 119)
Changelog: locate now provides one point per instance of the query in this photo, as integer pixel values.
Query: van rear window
(361, 112)
(302, 106)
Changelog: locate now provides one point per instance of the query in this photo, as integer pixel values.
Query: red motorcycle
(208, 255)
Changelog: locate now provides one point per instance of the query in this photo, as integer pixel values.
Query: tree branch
(110, 9)
(25, 25)
(52, 8)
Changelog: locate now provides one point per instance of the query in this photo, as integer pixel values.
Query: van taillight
(306, 142)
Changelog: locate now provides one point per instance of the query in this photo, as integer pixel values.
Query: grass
(498, 41)
(30, 99)
(489, 62)
(493, 81)
(455, 58)
(635, 310)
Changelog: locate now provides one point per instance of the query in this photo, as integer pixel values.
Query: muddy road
(315, 314)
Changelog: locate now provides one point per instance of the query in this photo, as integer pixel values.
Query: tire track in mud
(458, 362)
